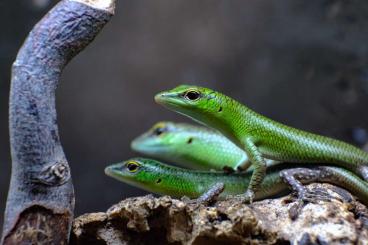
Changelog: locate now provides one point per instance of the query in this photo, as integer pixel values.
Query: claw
(240, 198)
(315, 199)
(249, 196)
(194, 203)
(296, 209)
(342, 195)
(185, 199)
(230, 197)
(310, 196)
(317, 196)
(320, 192)
(320, 195)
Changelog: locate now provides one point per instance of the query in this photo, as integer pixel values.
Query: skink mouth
(165, 98)
(170, 100)
(113, 170)
(143, 146)
(137, 143)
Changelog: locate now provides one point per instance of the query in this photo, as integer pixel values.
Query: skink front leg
(259, 172)
(212, 194)
(208, 197)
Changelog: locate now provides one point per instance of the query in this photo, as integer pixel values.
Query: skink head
(201, 104)
(155, 140)
(165, 140)
(140, 172)
(123, 169)
(186, 97)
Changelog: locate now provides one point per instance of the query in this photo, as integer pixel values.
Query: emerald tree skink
(164, 179)
(190, 146)
(260, 136)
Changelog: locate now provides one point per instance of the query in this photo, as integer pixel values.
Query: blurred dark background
(303, 63)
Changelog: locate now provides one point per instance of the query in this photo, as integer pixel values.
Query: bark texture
(40, 201)
(149, 220)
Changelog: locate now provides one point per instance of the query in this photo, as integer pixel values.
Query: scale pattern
(191, 146)
(164, 179)
(261, 137)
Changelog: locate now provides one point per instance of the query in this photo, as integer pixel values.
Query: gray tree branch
(40, 201)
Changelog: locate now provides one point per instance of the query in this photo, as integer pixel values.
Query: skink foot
(244, 198)
(305, 197)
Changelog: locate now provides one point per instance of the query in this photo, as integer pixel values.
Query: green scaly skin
(154, 176)
(190, 146)
(260, 136)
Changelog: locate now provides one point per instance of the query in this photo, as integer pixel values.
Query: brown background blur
(303, 63)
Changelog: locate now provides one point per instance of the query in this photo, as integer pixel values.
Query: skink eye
(158, 131)
(132, 166)
(192, 95)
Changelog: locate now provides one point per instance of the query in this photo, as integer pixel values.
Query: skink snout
(109, 170)
(170, 98)
(160, 97)
(113, 169)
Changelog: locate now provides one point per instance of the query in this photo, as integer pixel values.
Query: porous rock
(148, 220)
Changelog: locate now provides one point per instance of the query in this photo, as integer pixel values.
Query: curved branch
(40, 201)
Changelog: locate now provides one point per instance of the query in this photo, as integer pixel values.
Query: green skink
(259, 136)
(164, 179)
(190, 146)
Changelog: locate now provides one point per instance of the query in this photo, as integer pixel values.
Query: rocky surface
(148, 220)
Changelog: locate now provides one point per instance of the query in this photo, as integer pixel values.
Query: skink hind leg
(294, 178)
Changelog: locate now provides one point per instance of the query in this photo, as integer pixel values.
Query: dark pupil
(159, 131)
(132, 167)
(192, 95)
